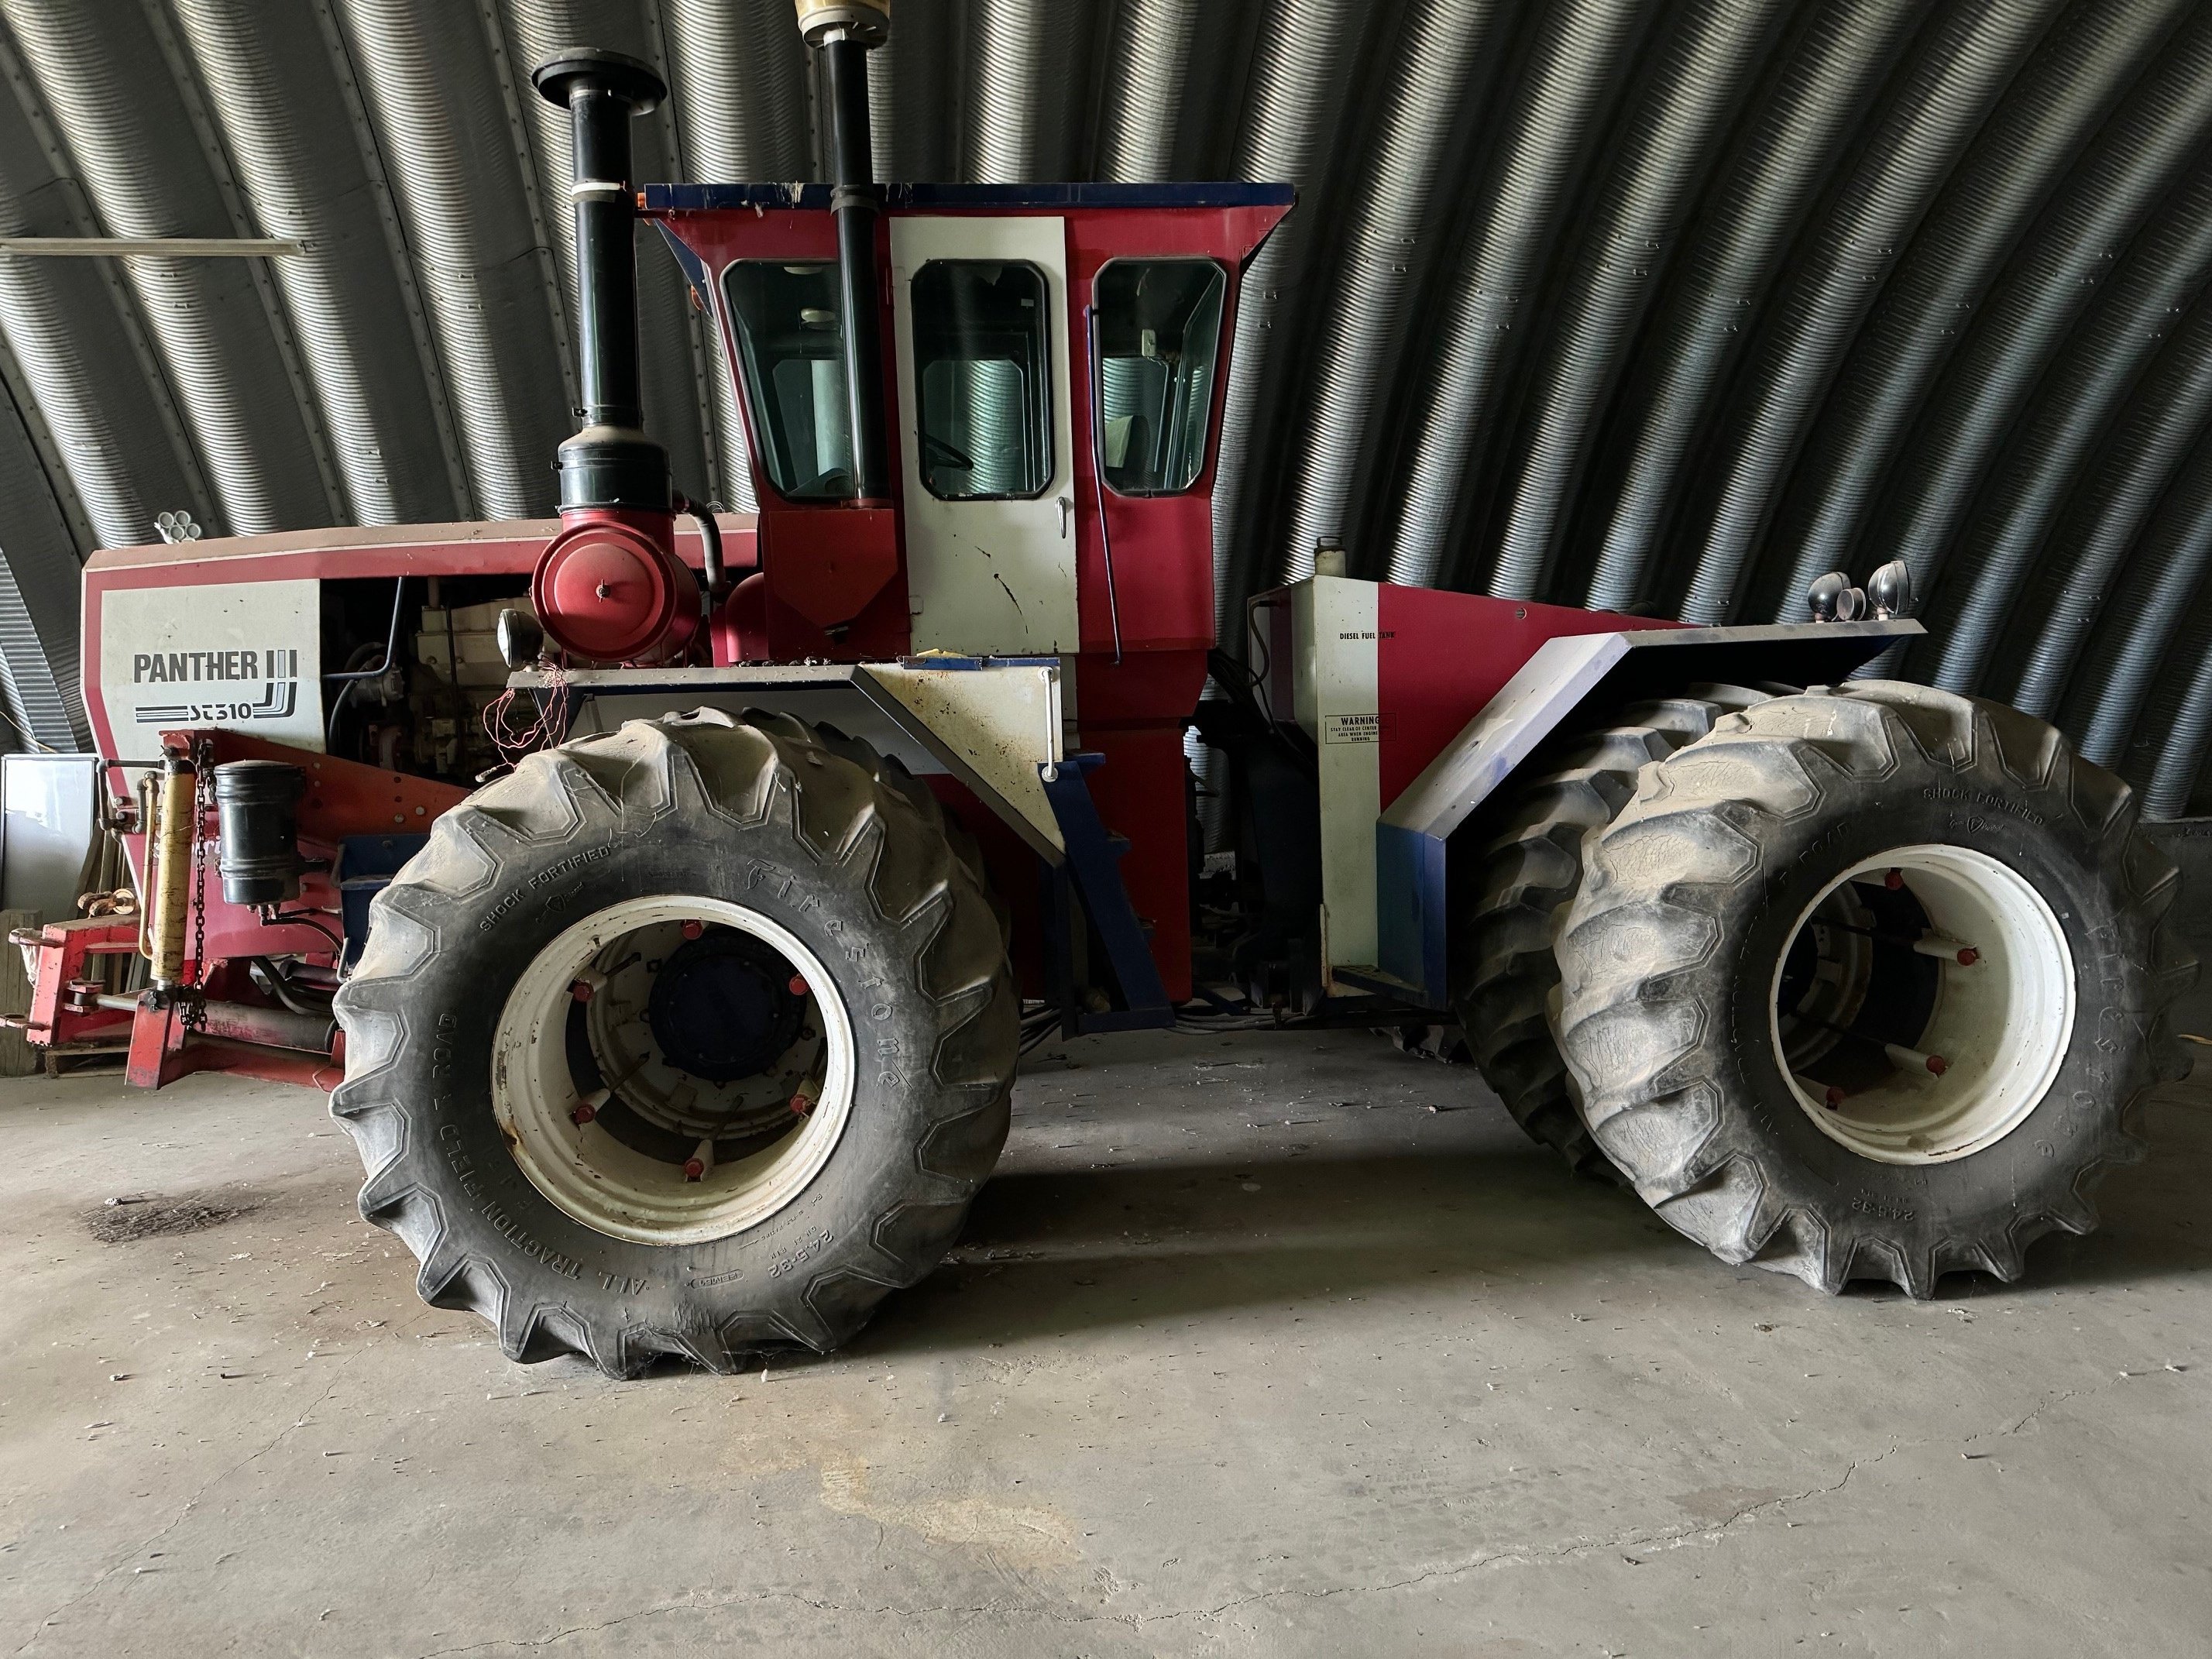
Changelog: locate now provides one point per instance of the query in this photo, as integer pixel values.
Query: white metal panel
(988, 578)
(47, 828)
(1334, 625)
(995, 726)
(244, 656)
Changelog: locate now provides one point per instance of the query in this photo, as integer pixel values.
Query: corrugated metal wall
(1667, 304)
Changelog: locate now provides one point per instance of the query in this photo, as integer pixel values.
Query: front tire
(692, 1040)
(1764, 967)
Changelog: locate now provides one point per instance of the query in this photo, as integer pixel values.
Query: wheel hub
(1923, 1004)
(695, 1138)
(722, 1007)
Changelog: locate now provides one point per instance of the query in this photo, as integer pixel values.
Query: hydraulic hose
(710, 540)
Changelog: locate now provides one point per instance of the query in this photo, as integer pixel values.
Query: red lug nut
(1937, 1065)
(580, 990)
(694, 1168)
(1893, 881)
(1969, 956)
(800, 1105)
(797, 986)
(1835, 1097)
(694, 927)
(584, 1114)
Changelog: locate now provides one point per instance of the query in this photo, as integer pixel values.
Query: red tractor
(675, 905)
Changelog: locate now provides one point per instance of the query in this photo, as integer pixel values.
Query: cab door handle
(1066, 515)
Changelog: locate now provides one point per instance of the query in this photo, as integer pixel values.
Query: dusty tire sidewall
(2036, 833)
(502, 1219)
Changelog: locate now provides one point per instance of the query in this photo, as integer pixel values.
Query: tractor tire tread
(1642, 952)
(1530, 864)
(809, 794)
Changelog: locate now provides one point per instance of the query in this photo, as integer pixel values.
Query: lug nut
(802, 1105)
(701, 1161)
(1947, 950)
(1827, 1092)
(1893, 881)
(797, 986)
(694, 927)
(588, 1108)
(1913, 1060)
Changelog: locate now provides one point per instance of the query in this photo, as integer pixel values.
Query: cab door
(980, 312)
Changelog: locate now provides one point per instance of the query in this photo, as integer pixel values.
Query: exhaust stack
(843, 31)
(610, 587)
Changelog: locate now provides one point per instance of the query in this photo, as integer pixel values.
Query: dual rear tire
(1867, 984)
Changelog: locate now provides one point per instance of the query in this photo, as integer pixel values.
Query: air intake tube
(609, 587)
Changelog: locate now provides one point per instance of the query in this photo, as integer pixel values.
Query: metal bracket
(1092, 870)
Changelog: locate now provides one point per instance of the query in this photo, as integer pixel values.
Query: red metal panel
(1442, 656)
(827, 563)
(1162, 591)
(1140, 794)
(830, 566)
(66, 950)
(507, 549)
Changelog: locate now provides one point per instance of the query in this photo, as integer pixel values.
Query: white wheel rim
(2000, 1027)
(608, 1186)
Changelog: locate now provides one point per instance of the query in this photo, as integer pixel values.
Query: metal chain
(203, 802)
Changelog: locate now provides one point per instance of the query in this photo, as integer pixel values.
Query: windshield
(788, 352)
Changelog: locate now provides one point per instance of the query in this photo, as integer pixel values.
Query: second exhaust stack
(843, 31)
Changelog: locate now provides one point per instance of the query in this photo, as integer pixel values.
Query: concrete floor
(1277, 1346)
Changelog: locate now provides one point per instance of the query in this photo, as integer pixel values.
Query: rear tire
(592, 1235)
(1514, 882)
(1750, 1013)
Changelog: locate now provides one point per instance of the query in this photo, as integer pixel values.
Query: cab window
(983, 338)
(1158, 340)
(788, 352)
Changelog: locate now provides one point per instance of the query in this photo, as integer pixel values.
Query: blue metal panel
(1566, 676)
(1409, 903)
(693, 198)
(367, 865)
(1094, 856)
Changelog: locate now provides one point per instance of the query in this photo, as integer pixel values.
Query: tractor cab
(1054, 365)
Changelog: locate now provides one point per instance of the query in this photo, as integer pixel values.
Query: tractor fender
(996, 723)
(1565, 680)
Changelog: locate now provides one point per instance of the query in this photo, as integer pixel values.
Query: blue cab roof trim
(694, 198)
